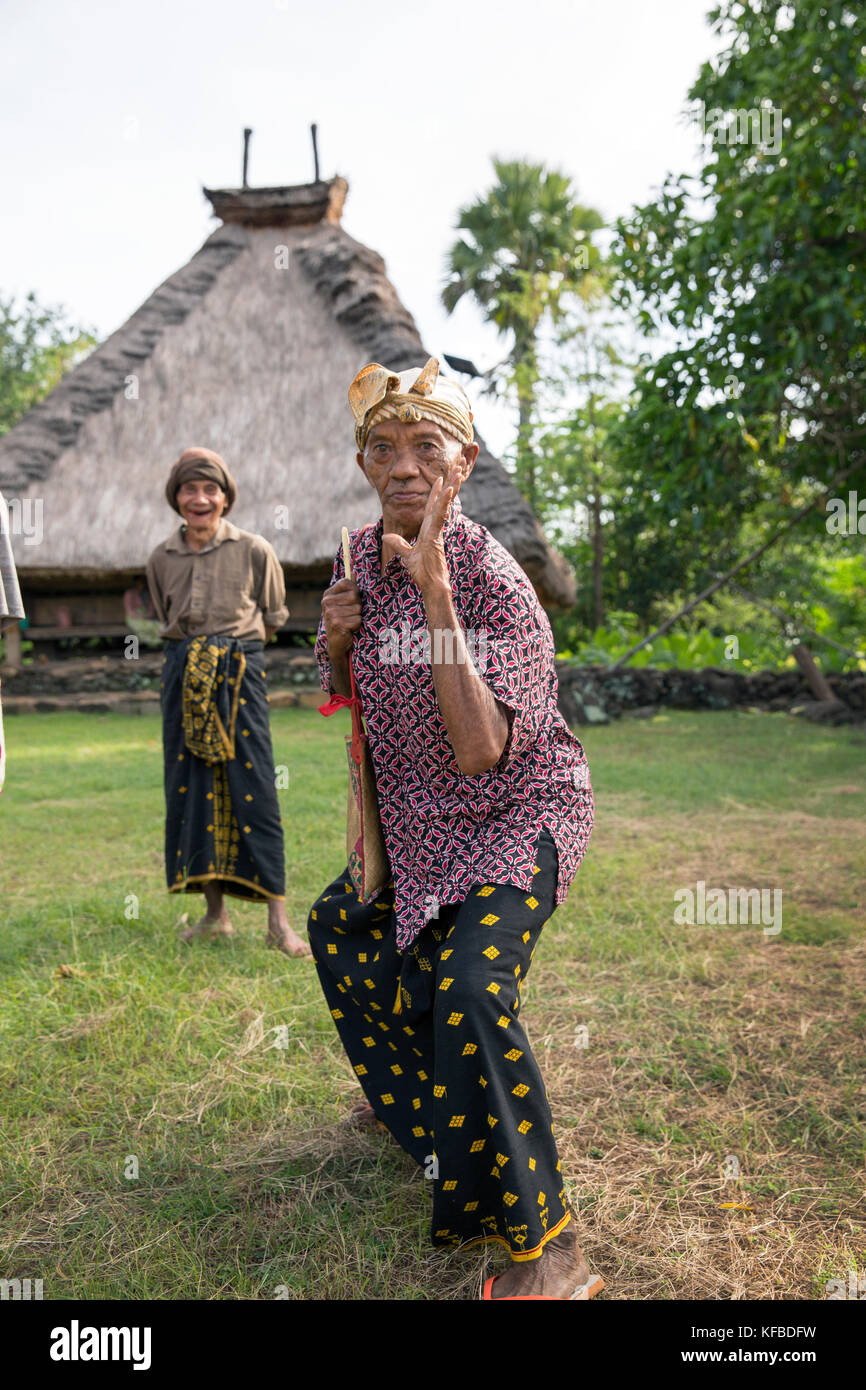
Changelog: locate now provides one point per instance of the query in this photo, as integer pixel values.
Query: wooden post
(314, 131)
(12, 637)
(247, 136)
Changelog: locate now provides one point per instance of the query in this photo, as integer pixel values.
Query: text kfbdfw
(76, 1343)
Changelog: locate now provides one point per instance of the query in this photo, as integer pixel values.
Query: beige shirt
(234, 587)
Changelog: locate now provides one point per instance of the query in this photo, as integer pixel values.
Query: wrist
(437, 591)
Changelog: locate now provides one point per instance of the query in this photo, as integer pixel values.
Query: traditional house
(248, 350)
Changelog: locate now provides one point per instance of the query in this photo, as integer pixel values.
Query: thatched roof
(248, 349)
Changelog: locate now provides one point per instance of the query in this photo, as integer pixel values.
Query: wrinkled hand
(341, 612)
(426, 560)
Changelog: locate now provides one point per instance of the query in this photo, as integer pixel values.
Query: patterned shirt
(445, 831)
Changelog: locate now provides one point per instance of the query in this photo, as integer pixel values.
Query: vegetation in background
(525, 252)
(38, 345)
(754, 271)
(655, 470)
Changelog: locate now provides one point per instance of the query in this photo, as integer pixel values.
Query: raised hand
(426, 560)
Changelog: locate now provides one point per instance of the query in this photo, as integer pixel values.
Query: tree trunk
(818, 684)
(597, 558)
(524, 446)
(526, 378)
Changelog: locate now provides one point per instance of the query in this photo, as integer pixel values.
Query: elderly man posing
(220, 595)
(486, 811)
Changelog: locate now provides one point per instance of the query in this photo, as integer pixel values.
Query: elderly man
(486, 812)
(219, 594)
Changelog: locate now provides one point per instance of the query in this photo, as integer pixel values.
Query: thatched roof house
(249, 350)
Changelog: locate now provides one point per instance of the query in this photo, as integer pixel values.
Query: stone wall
(587, 694)
(287, 666)
(594, 694)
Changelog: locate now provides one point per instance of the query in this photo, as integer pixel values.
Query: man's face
(200, 501)
(402, 461)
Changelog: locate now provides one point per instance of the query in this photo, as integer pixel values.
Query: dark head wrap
(200, 463)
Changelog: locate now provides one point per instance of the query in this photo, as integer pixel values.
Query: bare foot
(283, 939)
(207, 927)
(559, 1269)
(280, 934)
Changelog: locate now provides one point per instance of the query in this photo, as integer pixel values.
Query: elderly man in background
(219, 594)
(486, 811)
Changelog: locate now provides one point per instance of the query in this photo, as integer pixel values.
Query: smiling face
(402, 461)
(201, 502)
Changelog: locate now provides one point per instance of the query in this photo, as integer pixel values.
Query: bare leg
(216, 920)
(560, 1267)
(280, 934)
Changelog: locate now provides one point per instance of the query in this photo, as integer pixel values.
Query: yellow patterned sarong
(222, 811)
(205, 732)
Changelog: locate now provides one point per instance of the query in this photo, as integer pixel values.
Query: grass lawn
(215, 1072)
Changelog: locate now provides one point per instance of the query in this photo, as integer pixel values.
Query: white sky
(113, 114)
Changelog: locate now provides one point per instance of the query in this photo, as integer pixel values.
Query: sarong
(447, 1066)
(222, 814)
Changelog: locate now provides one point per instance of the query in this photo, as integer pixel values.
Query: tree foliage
(756, 270)
(526, 249)
(38, 345)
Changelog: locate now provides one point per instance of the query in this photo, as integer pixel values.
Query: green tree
(755, 271)
(38, 345)
(526, 248)
(751, 275)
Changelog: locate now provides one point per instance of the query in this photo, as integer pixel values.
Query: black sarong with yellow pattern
(435, 1039)
(222, 815)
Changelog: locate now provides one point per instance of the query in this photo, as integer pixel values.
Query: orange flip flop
(593, 1285)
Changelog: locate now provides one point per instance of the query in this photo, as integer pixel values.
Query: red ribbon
(354, 704)
(336, 702)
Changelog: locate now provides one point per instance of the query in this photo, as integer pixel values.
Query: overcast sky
(115, 113)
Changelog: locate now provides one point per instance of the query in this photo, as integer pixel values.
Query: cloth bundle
(365, 840)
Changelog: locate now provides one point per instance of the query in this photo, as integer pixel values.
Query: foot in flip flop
(560, 1273)
(363, 1116)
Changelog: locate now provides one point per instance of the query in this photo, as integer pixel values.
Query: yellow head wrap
(377, 394)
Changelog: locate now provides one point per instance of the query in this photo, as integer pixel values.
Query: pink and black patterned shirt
(444, 831)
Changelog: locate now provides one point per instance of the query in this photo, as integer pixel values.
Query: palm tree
(526, 247)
